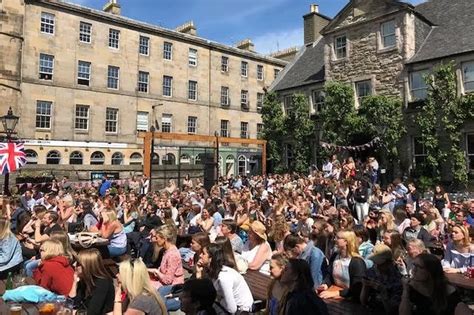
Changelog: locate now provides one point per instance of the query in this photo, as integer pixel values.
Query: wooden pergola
(213, 140)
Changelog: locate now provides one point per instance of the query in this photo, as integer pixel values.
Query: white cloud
(274, 41)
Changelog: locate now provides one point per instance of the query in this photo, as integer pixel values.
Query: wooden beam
(147, 154)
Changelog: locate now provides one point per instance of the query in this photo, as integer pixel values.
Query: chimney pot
(314, 8)
(112, 7)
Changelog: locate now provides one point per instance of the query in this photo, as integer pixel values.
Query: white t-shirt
(233, 293)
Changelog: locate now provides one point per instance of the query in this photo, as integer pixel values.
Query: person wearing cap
(382, 285)
(257, 251)
(416, 230)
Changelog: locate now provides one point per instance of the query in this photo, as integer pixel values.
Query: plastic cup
(47, 309)
(15, 309)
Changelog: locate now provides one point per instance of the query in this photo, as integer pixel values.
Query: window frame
(357, 86)
(85, 65)
(260, 127)
(463, 69)
(46, 65)
(418, 155)
(168, 120)
(167, 78)
(111, 120)
(79, 119)
(337, 49)
(57, 157)
(469, 154)
(47, 26)
(244, 69)
(412, 90)
(113, 79)
(192, 92)
(192, 125)
(192, 57)
(318, 105)
(167, 54)
(97, 158)
(384, 36)
(144, 45)
(244, 98)
(244, 130)
(147, 114)
(75, 157)
(225, 96)
(83, 32)
(117, 156)
(225, 132)
(143, 82)
(47, 114)
(276, 72)
(224, 64)
(114, 38)
(260, 72)
(260, 100)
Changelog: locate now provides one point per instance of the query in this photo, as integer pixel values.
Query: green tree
(273, 129)
(440, 121)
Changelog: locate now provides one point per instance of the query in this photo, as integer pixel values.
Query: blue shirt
(315, 258)
(105, 185)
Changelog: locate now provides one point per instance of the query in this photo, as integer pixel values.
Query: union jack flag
(12, 156)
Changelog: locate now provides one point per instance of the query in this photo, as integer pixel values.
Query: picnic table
(28, 308)
(459, 280)
(100, 244)
(258, 284)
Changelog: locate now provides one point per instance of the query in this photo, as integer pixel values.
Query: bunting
(358, 148)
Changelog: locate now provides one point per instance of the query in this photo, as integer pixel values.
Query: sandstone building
(384, 47)
(85, 82)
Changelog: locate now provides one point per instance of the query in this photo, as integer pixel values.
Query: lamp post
(9, 122)
(152, 151)
(216, 134)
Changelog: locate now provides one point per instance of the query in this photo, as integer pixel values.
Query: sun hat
(381, 254)
(258, 228)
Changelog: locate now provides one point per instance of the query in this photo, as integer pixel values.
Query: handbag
(86, 239)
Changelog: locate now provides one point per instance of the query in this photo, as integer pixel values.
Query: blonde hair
(111, 215)
(64, 239)
(166, 232)
(68, 200)
(352, 244)
(136, 281)
(5, 228)
(52, 248)
(466, 241)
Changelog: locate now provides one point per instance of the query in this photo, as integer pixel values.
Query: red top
(55, 275)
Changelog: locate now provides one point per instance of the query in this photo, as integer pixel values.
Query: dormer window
(388, 34)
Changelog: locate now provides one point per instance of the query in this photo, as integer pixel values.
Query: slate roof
(453, 30)
(307, 68)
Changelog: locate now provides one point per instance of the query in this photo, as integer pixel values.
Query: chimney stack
(314, 22)
(187, 28)
(246, 44)
(112, 7)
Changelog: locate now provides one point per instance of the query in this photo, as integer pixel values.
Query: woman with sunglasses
(428, 291)
(134, 281)
(92, 288)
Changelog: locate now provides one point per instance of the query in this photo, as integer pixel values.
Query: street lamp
(216, 134)
(9, 122)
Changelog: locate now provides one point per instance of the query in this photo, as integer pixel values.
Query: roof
(146, 27)
(452, 33)
(306, 68)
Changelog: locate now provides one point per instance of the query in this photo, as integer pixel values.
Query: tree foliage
(440, 121)
(273, 128)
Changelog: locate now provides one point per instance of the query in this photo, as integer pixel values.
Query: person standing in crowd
(93, 288)
(301, 297)
(299, 248)
(413, 196)
(361, 195)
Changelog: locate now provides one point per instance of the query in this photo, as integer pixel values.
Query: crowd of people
(330, 234)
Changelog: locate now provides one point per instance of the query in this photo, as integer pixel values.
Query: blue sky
(270, 24)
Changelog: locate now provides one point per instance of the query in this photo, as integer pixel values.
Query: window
(276, 72)
(244, 126)
(97, 158)
(169, 159)
(192, 57)
(31, 157)
(47, 23)
(83, 73)
(363, 89)
(318, 100)
(82, 117)
(192, 124)
(259, 131)
(470, 151)
(224, 63)
(244, 98)
(43, 114)
(53, 157)
(142, 121)
(76, 158)
(111, 120)
(114, 38)
(167, 85)
(244, 68)
(156, 159)
(46, 67)
(468, 76)
(143, 78)
(259, 72)
(166, 122)
(85, 32)
(136, 158)
(288, 104)
(259, 102)
(419, 152)
(340, 47)
(225, 101)
(167, 51)
(387, 32)
(117, 158)
(184, 159)
(192, 90)
(418, 87)
(113, 74)
(242, 165)
(143, 47)
(225, 132)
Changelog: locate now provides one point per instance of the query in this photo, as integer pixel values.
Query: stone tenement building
(85, 82)
(384, 47)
